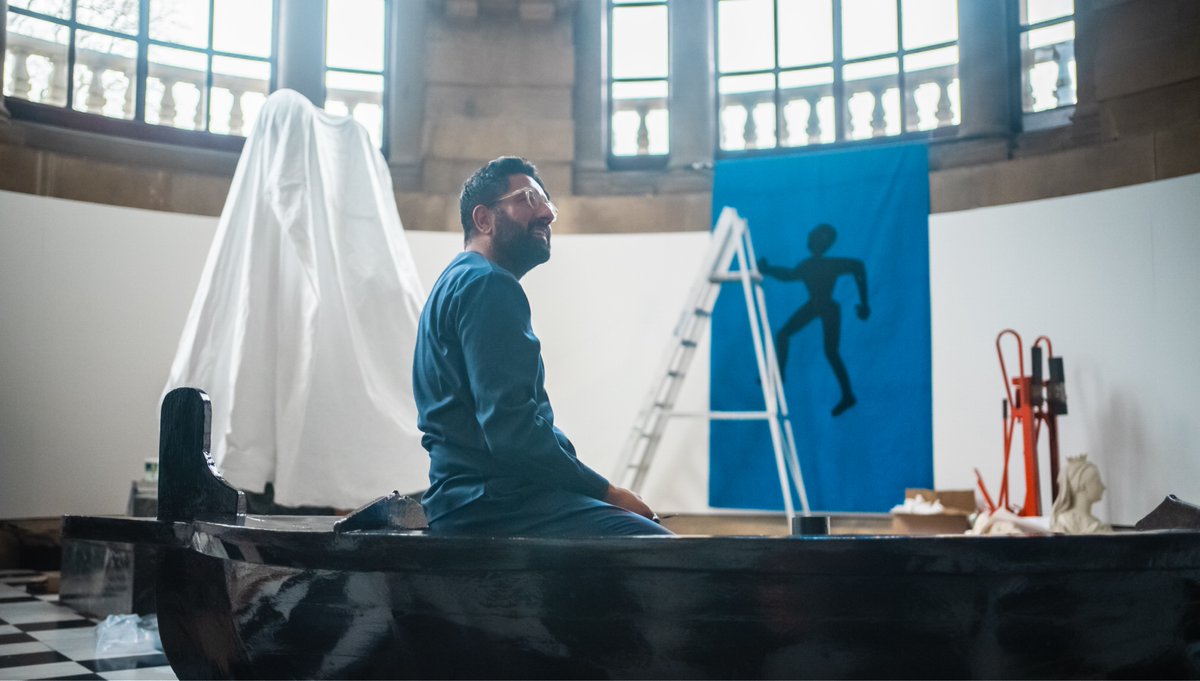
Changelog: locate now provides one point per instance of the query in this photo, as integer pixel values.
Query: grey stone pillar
(406, 92)
(986, 68)
(693, 108)
(590, 100)
(301, 58)
(3, 50)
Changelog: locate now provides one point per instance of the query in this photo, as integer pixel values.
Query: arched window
(203, 65)
(355, 54)
(1047, 48)
(793, 73)
(638, 72)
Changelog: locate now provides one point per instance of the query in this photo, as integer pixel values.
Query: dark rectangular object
(1058, 386)
(1036, 392)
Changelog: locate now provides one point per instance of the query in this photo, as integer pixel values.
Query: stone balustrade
(105, 79)
(39, 74)
(643, 107)
(940, 110)
(1048, 93)
(816, 98)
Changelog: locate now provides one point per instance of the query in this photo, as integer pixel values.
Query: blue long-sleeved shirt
(479, 384)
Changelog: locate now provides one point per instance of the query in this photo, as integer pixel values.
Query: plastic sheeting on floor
(303, 325)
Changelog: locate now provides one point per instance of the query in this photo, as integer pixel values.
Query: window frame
(1055, 117)
(137, 127)
(837, 64)
(636, 161)
(385, 73)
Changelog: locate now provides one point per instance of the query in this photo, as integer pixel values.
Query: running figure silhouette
(819, 275)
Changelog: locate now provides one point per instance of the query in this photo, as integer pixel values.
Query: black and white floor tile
(40, 639)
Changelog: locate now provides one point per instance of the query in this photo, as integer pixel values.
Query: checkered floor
(40, 639)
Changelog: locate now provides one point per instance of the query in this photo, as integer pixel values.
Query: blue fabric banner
(845, 240)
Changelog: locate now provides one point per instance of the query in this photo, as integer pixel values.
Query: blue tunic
(478, 380)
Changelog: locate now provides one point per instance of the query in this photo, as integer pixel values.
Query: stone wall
(498, 77)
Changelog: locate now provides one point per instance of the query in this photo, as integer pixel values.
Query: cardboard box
(959, 504)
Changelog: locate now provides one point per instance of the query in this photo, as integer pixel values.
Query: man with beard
(498, 465)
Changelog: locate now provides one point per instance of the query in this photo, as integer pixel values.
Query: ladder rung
(731, 277)
(702, 312)
(687, 343)
(676, 374)
(723, 415)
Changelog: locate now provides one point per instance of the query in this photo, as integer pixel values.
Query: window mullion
(272, 79)
(901, 79)
(608, 80)
(839, 83)
(71, 56)
(385, 96)
(208, 73)
(779, 126)
(142, 71)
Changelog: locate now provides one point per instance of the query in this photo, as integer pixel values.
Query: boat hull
(243, 604)
(277, 597)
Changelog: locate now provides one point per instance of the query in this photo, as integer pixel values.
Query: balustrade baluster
(643, 132)
(750, 128)
(130, 89)
(351, 106)
(97, 98)
(1027, 88)
(1064, 89)
(814, 120)
(21, 85)
(56, 89)
(912, 116)
(878, 115)
(783, 135)
(236, 118)
(198, 119)
(945, 108)
(166, 105)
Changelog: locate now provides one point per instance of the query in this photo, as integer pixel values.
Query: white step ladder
(730, 244)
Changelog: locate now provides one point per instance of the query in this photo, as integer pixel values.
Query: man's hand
(623, 498)
(763, 265)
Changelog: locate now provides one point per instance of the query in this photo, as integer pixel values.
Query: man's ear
(485, 220)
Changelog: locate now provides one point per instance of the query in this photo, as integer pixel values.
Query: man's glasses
(531, 197)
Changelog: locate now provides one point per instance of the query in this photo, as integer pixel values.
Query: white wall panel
(92, 299)
(1112, 278)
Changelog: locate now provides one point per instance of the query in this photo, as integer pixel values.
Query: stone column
(590, 95)
(986, 68)
(301, 58)
(3, 49)
(406, 92)
(693, 107)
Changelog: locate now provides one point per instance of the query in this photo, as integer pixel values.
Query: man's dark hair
(488, 183)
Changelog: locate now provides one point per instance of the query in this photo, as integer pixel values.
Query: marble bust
(1079, 488)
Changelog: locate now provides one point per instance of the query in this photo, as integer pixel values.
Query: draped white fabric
(303, 325)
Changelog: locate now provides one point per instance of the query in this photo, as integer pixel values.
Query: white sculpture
(304, 322)
(1079, 487)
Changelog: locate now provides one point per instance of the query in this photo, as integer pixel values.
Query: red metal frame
(1025, 404)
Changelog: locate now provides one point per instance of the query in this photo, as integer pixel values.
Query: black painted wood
(188, 484)
(392, 511)
(305, 603)
(288, 597)
(1173, 513)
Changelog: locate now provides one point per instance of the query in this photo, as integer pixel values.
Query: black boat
(243, 596)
